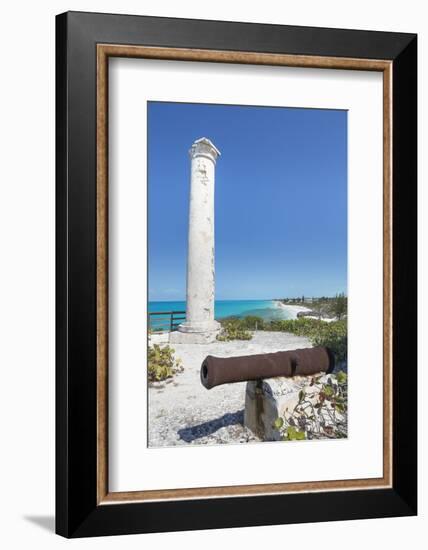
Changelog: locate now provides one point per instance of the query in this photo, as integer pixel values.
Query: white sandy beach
(297, 309)
(292, 309)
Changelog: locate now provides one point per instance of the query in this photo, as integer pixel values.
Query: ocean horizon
(268, 310)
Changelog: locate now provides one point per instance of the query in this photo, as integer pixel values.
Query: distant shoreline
(299, 309)
(293, 309)
(268, 310)
(241, 308)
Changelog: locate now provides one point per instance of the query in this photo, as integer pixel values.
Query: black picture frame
(77, 512)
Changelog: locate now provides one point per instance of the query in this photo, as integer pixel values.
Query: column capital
(203, 147)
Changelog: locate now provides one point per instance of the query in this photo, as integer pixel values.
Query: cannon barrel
(300, 362)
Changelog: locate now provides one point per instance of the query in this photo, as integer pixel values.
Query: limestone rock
(269, 399)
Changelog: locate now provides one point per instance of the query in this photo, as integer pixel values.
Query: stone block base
(267, 400)
(178, 337)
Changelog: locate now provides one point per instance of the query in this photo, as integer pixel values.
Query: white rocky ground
(183, 412)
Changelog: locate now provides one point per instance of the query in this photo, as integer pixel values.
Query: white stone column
(200, 326)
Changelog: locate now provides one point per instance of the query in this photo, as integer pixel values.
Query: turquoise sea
(267, 309)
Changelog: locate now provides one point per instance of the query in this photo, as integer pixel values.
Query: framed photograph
(236, 274)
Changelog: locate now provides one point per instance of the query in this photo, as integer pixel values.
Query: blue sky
(280, 199)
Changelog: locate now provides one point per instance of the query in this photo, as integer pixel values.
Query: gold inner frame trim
(104, 51)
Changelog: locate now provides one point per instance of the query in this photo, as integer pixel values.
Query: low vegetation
(321, 411)
(333, 335)
(162, 363)
(321, 333)
(234, 328)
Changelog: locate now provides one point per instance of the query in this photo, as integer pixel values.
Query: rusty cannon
(300, 362)
(274, 382)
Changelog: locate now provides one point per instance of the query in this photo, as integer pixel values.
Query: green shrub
(321, 411)
(233, 329)
(334, 336)
(162, 363)
(331, 334)
(251, 322)
(321, 333)
(301, 327)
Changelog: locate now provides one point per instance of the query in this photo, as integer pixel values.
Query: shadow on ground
(208, 428)
(45, 522)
